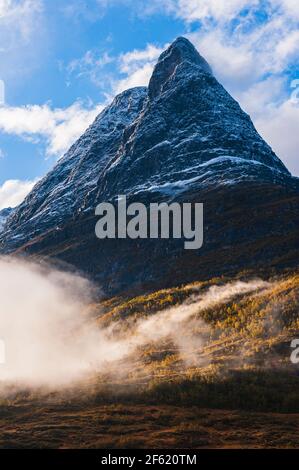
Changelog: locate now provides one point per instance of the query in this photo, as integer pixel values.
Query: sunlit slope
(219, 378)
(233, 354)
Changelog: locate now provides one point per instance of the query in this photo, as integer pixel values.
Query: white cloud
(132, 60)
(13, 192)
(233, 64)
(261, 95)
(139, 77)
(70, 123)
(243, 58)
(23, 38)
(275, 115)
(4, 8)
(138, 66)
(60, 127)
(279, 126)
(221, 10)
(290, 7)
(91, 65)
(288, 48)
(17, 20)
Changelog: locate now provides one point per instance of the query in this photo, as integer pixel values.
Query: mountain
(184, 138)
(59, 196)
(4, 214)
(190, 133)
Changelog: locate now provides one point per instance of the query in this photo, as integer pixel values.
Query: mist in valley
(51, 339)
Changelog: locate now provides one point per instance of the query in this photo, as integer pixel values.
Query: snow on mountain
(61, 193)
(182, 137)
(4, 214)
(188, 122)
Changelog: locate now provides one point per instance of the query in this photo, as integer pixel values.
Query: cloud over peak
(59, 127)
(13, 192)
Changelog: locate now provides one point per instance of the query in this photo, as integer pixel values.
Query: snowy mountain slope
(183, 138)
(61, 193)
(190, 129)
(4, 214)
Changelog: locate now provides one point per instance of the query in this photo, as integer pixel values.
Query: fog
(50, 338)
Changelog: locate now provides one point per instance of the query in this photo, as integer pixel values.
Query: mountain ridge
(184, 138)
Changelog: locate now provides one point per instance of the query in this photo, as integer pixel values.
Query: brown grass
(243, 392)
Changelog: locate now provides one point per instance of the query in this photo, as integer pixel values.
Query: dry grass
(143, 426)
(242, 390)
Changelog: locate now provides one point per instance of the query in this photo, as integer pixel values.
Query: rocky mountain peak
(180, 51)
(183, 139)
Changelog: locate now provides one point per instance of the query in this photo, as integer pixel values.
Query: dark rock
(182, 139)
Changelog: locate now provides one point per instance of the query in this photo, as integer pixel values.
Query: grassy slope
(244, 362)
(241, 391)
(142, 426)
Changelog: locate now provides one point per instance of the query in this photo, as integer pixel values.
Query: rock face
(4, 214)
(60, 195)
(184, 138)
(190, 133)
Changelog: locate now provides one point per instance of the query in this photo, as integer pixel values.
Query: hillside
(182, 139)
(226, 380)
(147, 344)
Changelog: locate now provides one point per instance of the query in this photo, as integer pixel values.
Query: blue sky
(62, 61)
